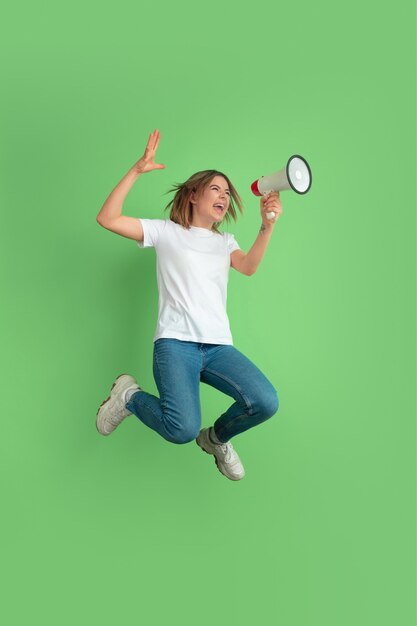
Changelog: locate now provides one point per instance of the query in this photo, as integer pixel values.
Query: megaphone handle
(271, 214)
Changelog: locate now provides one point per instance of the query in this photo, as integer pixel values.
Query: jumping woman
(193, 341)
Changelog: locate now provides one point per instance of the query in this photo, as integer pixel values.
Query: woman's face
(213, 203)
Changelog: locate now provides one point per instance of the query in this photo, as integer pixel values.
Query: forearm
(256, 253)
(112, 208)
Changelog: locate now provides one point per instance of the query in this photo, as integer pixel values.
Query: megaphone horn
(295, 175)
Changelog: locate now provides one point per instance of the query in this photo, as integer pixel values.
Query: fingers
(270, 197)
(272, 203)
(271, 194)
(153, 140)
(156, 135)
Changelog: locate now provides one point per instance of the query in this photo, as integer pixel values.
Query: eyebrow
(216, 185)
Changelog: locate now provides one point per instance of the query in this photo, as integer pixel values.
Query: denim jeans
(178, 368)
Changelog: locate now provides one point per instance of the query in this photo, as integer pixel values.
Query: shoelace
(115, 419)
(228, 451)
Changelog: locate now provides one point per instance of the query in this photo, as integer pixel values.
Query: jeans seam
(148, 406)
(160, 377)
(231, 382)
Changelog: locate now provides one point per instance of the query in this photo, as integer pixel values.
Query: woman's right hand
(147, 162)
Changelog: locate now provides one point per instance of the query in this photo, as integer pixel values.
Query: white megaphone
(295, 175)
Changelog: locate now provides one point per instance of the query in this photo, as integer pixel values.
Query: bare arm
(112, 208)
(270, 203)
(110, 216)
(256, 253)
(129, 227)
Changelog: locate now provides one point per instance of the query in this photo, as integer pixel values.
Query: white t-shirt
(192, 273)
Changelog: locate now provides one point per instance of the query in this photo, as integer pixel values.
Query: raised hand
(147, 162)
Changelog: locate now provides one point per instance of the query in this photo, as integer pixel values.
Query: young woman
(192, 341)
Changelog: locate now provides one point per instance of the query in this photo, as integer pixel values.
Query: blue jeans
(178, 368)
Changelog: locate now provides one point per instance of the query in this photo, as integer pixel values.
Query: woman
(192, 341)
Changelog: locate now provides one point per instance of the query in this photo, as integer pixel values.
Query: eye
(216, 187)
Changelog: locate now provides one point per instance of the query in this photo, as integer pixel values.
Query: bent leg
(256, 399)
(176, 414)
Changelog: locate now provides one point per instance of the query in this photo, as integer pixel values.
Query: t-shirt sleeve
(152, 230)
(232, 244)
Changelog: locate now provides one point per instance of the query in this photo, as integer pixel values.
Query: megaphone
(295, 175)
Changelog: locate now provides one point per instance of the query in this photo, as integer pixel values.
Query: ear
(193, 197)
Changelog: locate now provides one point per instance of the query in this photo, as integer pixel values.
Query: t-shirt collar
(204, 232)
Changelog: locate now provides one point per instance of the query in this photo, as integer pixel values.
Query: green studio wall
(131, 529)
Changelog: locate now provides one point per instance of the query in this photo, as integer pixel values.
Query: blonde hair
(181, 207)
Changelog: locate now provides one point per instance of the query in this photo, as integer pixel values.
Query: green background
(131, 528)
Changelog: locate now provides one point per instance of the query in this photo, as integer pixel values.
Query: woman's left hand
(269, 203)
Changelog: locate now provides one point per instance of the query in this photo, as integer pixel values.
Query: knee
(268, 404)
(183, 434)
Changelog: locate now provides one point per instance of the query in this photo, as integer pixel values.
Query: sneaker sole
(120, 375)
(217, 464)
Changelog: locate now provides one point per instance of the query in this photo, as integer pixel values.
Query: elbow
(247, 271)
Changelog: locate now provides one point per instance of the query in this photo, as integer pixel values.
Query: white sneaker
(113, 410)
(225, 456)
